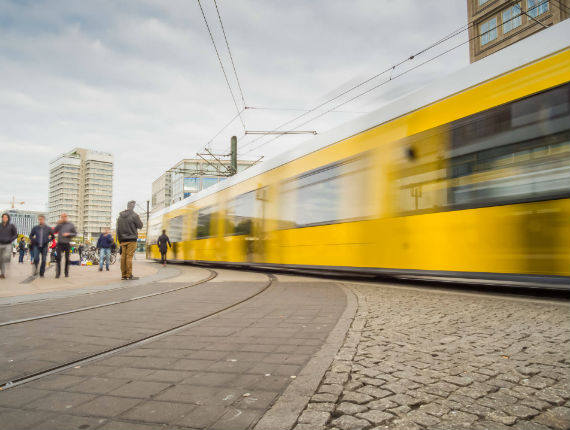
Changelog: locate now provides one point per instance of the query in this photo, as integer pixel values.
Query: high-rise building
(23, 220)
(81, 185)
(496, 24)
(189, 176)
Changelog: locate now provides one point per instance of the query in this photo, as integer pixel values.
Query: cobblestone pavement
(418, 359)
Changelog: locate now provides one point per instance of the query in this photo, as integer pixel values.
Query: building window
(482, 2)
(488, 31)
(511, 18)
(537, 7)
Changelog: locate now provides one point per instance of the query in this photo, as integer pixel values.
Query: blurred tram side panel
(474, 183)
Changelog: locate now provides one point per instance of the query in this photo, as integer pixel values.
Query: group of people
(42, 236)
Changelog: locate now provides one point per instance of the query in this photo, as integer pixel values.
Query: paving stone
(324, 398)
(435, 409)
(314, 418)
(21, 396)
(124, 425)
(422, 418)
(106, 406)
(140, 389)
(98, 385)
(347, 408)
(335, 389)
(70, 422)
(235, 419)
(60, 401)
(374, 392)
(159, 412)
(502, 418)
(355, 397)
(348, 422)
(376, 417)
(16, 419)
(556, 418)
(381, 405)
(322, 407)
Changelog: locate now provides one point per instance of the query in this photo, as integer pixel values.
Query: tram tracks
(34, 374)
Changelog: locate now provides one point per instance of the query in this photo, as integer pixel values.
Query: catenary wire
(381, 84)
(230, 52)
(389, 69)
(221, 64)
(392, 68)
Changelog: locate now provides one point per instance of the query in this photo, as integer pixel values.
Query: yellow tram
(466, 178)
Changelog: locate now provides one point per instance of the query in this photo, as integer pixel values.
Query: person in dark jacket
(40, 239)
(163, 244)
(21, 249)
(80, 249)
(128, 225)
(104, 244)
(8, 234)
(65, 231)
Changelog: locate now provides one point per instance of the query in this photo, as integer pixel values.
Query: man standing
(22, 249)
(80, 250)
(8, 234)
(163, 244)
(40, 239)
(65, 231)
(127, 225)
(104, 245)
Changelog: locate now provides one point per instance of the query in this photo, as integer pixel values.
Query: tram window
(206, 222)
(175, 226)
(526, 159)
(240, 214)
(154, 228)
(316, 197)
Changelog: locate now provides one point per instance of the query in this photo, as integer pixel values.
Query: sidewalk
(19, 281)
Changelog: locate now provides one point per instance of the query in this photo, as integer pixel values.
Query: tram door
(256, 241)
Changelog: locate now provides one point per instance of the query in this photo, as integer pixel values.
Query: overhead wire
(383, 72)
(381, 84)
(221, 64)
(230, 52)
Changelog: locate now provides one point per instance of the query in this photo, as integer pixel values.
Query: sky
(141, 79)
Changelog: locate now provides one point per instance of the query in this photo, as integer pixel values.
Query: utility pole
(147, 216)
(234, 155)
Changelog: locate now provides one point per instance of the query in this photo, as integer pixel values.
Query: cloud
(141, 79)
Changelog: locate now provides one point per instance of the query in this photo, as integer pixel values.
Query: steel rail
(212, 275)
(128, 345)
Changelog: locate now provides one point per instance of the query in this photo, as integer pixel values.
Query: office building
(496, 24)
(189, 176)
(81, 185)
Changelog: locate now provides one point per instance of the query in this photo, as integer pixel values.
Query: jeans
(22, 253)
(40, 250)
(104, 254)
(163, 257)
(62, 248)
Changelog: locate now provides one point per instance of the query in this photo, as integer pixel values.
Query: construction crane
(13, 203)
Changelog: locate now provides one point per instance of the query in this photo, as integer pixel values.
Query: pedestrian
(22, 249)
(8, 234)
(80, 249)
(163, 244)
(40, 239)
(65, 231)
(104, 245)
(127, 225)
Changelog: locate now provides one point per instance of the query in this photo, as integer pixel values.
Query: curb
(285, 412)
